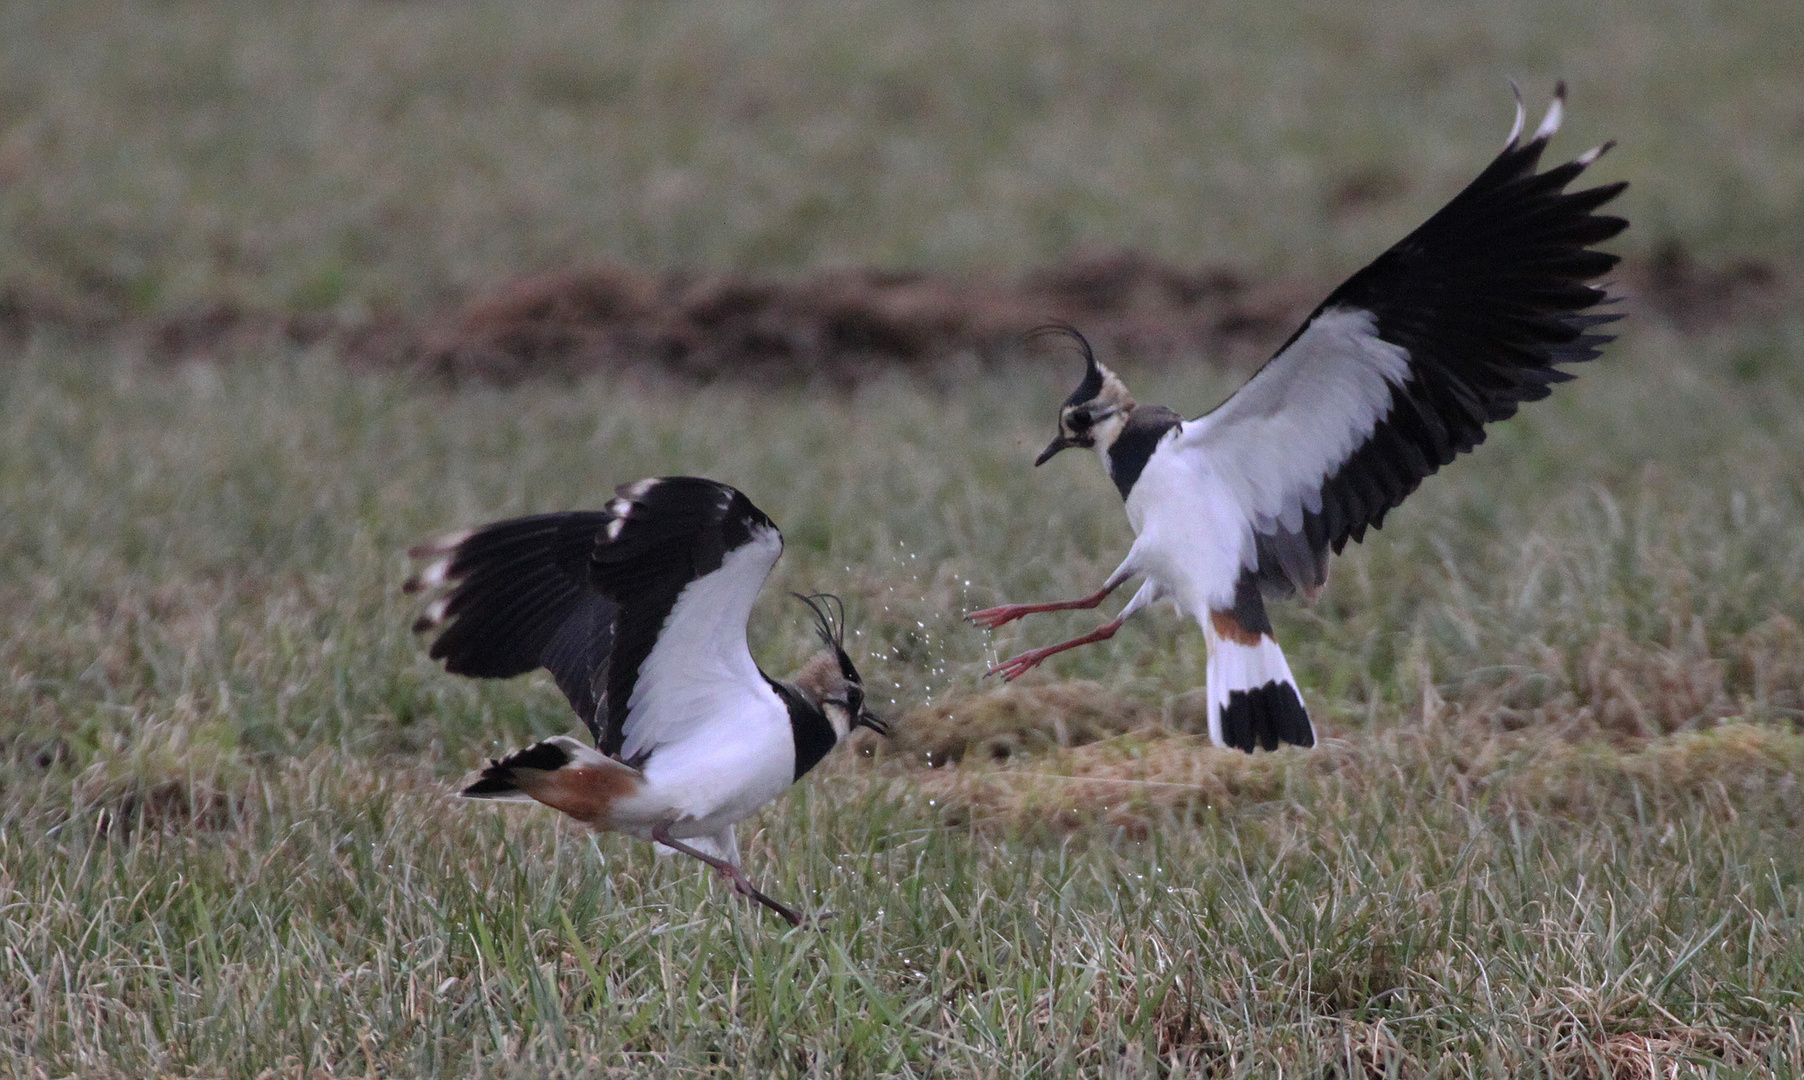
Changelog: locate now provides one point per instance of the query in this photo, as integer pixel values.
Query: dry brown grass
(1069, 756)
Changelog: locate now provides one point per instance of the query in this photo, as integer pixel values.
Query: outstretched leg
(1010, 670)
(661, 834)
(991, 618)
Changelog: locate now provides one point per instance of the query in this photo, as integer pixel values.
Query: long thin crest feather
(1093, 371)
(830, 618)
(1065, 330)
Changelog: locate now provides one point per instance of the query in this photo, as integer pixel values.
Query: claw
(1014, 668)
(991, 618)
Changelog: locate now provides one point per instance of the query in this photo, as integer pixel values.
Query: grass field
(1555, 827)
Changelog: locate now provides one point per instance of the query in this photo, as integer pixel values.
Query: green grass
(1555, 824)
(1554, 828)
(368, 156)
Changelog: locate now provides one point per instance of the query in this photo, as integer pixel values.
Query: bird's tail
(1253, 699)
(562, 773)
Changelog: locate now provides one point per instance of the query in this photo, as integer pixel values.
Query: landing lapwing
(1395, 374)
(639, 612)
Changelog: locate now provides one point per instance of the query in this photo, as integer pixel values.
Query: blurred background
(205, 163)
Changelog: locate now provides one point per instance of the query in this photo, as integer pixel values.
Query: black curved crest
(830, 625)
(1092, 384)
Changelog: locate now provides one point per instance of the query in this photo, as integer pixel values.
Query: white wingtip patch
(620, 507)
(1556, 112)
(442, 545)
(615, 526)
(1586, 158)
(434, 575)
(1521, 117)
(433, 615)
(637, 489)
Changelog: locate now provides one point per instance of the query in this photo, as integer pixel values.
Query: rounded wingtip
(1556, 113)
(1594, 153)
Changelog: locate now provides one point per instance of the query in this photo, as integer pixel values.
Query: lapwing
(1392, 376)
(639, 612)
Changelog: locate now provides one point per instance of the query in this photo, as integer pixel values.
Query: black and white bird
(639, 612)
(1396, 373)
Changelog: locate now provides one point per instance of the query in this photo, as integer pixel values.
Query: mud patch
(840, 325)
(837, 326)
(1696, 295)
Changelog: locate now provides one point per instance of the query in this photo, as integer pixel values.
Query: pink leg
(727, 870)
(1010, 670)
(991, 618)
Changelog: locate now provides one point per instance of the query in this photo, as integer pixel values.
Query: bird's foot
(1013, 669)
(991, 618)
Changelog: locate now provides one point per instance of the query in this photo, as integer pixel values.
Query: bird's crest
(829, 620)
(1094, 373)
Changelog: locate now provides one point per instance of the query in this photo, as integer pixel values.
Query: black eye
(854, 700)
(1079, 420)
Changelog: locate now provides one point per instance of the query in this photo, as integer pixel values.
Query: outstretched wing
(684, 558)
(1401, 367)
(521, 599)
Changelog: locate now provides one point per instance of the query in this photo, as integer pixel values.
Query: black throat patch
(1132, 449)
(813, 732)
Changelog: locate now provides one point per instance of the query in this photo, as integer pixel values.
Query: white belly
(1190, 532)
(709, 781)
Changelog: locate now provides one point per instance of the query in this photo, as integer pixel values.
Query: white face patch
(839, 718)
(1106, 413)
(1106, 431)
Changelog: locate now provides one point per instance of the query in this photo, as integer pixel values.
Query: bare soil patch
(835, 325)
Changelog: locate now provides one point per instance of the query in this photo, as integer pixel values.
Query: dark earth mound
(837, 325)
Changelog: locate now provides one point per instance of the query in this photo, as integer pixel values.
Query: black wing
(1401, 367)
(684, 558)
(522, 599)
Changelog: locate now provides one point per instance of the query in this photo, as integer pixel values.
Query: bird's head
(1096, 411)
(828, 678)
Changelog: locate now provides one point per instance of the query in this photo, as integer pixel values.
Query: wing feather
(685, 567)
(1400, 368)
(521, 599)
